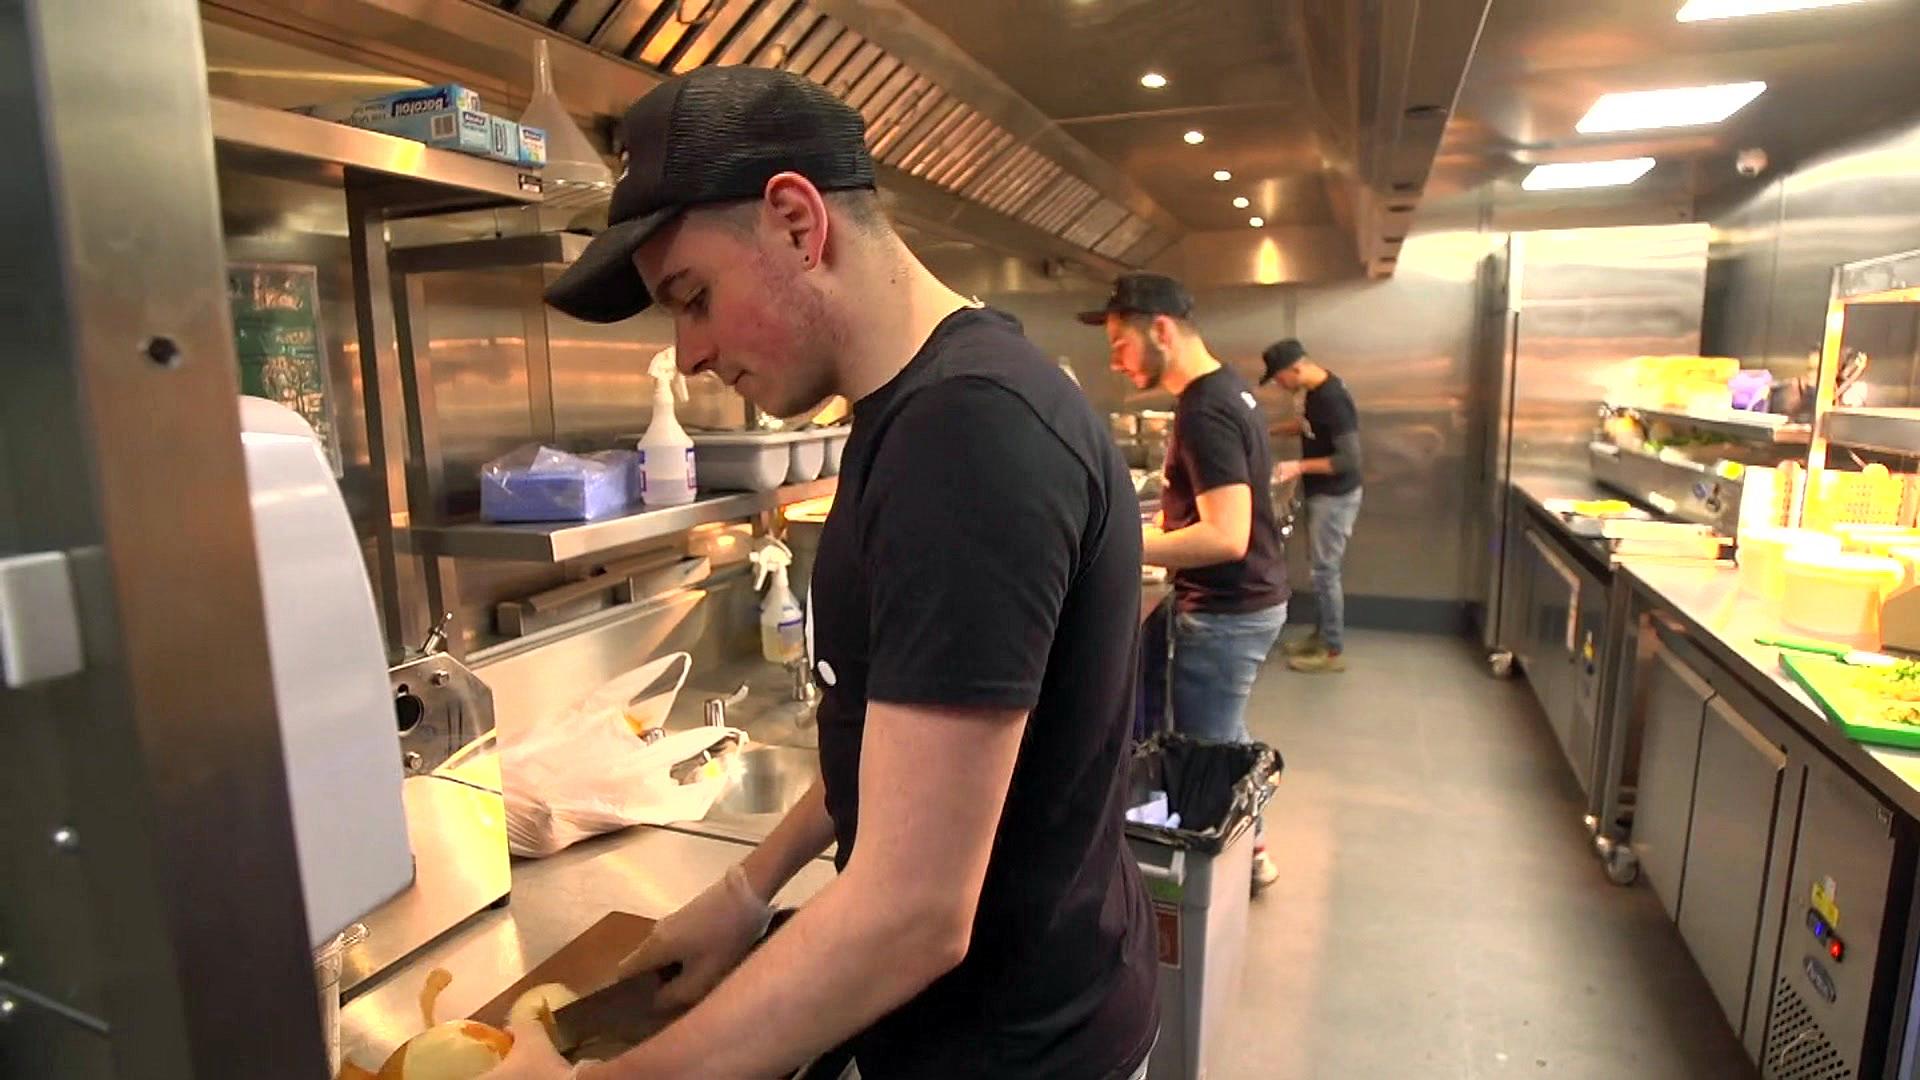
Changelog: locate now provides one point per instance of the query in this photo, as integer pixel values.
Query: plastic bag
(588, 771)
(1214, 788)
(540, 483)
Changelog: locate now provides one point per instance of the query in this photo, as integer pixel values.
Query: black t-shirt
(984, 550)
(1329, 413)
(1220, 439)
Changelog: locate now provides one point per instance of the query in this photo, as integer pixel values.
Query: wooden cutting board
(582, 965)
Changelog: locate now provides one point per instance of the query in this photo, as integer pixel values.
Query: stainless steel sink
(766, 780)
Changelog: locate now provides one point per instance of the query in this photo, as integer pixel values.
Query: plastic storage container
(744, 460)
(1763, 551)
(327, 962)
(1838, 595)
(1200, 878)
(836, 444)
(809, 456)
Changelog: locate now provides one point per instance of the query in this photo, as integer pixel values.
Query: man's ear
(798, 215)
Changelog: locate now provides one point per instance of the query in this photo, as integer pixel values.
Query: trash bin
(1200, 876)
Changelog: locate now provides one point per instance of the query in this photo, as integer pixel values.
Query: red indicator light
(1834, 948)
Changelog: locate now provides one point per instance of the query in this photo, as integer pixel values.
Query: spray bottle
(666, 452)
(783, 631)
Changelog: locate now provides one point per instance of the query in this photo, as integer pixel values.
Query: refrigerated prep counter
(1783, 851)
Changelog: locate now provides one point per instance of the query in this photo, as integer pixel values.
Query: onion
(455, 1050)
(540, 1003)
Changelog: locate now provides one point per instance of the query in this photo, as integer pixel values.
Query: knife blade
(626, 1011)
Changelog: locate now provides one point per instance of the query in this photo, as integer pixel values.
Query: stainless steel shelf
(535, 249)
(416, 178)
(563, 540)
(1893, 430)
(1734, 425)
(1688, 492)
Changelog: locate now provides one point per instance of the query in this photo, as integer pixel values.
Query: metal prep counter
(1783, 851)
(645, 871)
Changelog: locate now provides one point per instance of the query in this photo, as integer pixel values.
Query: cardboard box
(368, 112)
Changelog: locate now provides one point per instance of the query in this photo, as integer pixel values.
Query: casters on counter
(1623, 866)
(1500, 663)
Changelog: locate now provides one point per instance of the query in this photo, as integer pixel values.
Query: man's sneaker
(1265, 871)
(1301, 646)
(1314, 663)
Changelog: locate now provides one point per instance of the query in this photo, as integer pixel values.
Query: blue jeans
(1329, 523)
(1215, 660)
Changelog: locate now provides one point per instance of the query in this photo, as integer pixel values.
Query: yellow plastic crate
(1872, 496)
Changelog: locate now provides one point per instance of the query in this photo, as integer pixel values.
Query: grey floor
(1439, 914)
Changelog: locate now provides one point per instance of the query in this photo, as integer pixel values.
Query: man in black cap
(974, 603)
(1217, 531)
(1329, 468)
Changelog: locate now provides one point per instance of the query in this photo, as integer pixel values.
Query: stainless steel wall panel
(1404, 347)
(1589, 301)
(1779, 247)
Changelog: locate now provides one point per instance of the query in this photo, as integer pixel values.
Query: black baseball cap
(1143, 294)
(713, 135)
(1282, 355)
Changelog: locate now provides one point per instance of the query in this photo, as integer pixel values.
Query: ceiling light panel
(1194, 138)
(1680, 106)
(1705, 10)
(1586, 174)
(1153, 80)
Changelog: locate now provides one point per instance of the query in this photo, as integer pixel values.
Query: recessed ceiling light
(1222, 175)
(1704, 10)
(1153, 80)
(1586, 174)
(1256, 222)
(1681, 106)
(1194, 138)
(1241, 202)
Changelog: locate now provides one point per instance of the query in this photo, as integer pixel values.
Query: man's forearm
(801, 836)
(865, 950)
(1317, 466)
(1199, 544)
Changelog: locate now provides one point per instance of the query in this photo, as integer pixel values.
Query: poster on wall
(276, 331)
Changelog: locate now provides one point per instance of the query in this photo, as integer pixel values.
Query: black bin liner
(1215, 787)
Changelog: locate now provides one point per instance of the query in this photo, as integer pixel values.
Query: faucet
(714, 711)
(800, 678)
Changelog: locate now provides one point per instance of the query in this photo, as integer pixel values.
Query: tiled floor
(1440, 914)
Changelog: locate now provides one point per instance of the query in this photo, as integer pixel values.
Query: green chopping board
(1834, 685)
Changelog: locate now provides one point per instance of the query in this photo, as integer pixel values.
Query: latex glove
(1287, 470)
(707, 939)
(532, 1057)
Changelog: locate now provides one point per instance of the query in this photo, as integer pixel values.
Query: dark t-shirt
(1220, 439)
(984, 550)
(1329, 413)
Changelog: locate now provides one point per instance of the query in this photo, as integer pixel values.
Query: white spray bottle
(783, 629)
(666, 451)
